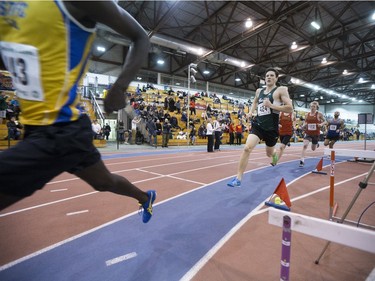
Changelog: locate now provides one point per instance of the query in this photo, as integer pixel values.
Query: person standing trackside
(314, 120)
(210, 135)
(107, 131)
(269, 101)
(58, 136)
(239, 132)
(96, 130)
(217, 134)
(167, 127)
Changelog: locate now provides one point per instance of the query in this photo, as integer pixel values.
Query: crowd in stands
(10, 111)
(170, 114)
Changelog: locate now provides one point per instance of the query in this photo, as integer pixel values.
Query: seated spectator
(3, 106)
(14, 129)
(192, 135)
(184, 118)
(174, 123)
(202, 131)
(178, 107)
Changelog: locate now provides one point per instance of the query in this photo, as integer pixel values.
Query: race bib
(332, 127)
(311, 127)
(262, 110)
(22, 61)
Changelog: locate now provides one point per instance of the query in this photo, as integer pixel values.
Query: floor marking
(58, 190)
(121, 258)
(186, 180)
(46, 249)
(371, 277)
(77, 213)
(46, 204)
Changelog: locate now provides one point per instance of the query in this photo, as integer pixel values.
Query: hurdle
(358, 238)
(362, 185)
(365, 154)
(345, 153)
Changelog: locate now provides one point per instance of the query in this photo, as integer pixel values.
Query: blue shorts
(44, 153)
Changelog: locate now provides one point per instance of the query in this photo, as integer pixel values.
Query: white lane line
(136, 168)
(371, 277)
(121, 259)
(77, 213)
(46, 204)
(58, 190)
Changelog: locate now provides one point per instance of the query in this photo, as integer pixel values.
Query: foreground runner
(45, 45)
(269, 102)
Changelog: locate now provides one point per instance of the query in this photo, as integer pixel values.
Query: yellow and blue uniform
(46, 64)
(46, 51)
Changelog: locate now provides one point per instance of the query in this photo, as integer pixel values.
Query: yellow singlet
(46, 51)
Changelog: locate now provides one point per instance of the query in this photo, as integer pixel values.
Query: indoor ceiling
(213, 34)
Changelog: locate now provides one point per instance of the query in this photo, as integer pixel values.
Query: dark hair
(272, 69)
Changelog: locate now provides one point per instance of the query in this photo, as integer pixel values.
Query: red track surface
(67, 207)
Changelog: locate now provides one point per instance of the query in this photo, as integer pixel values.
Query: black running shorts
(285, 139)
(269, 137)
(44, 153)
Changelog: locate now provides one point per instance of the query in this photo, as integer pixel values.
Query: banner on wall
(365, 118)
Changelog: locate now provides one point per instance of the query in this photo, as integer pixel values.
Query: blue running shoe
(147, 206)
(234, 182)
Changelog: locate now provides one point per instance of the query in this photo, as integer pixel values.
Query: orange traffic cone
(319, 167)
(282, 192)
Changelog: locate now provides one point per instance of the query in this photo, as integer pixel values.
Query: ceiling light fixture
(294, 46)
(345, 72)
(315, 25)
(324, 60)
(249, 23)
(161, 62)
(100, 49)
